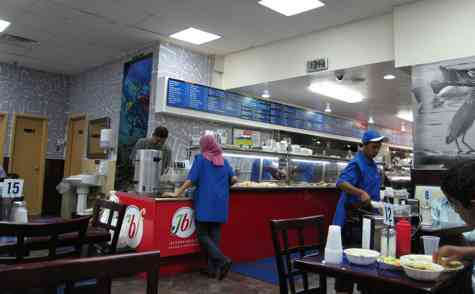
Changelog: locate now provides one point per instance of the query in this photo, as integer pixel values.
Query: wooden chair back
(114, 215)
(50, 233)
(51, 274)
(283, 231)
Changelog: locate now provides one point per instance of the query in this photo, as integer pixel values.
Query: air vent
(17, 41)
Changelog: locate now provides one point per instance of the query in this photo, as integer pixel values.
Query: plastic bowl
(423, 275)
(361, 256)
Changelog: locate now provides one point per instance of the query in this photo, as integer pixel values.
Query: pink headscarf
(211, 150)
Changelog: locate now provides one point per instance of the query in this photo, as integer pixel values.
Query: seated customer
(459, 187)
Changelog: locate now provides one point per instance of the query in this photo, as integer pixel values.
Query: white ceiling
(384, 98)
(75, 35)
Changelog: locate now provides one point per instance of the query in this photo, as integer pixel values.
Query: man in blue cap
(360, 183)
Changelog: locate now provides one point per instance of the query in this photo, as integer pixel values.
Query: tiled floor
(198, 284)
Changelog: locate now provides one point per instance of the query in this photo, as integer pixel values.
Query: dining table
(93, 236)
(379, 279)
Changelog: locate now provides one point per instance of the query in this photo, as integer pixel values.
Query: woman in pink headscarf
(212, 176)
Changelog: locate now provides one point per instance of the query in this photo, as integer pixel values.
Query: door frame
(3, 129)
(69, 136)
(44, 146)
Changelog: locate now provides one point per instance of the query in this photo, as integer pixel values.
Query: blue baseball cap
(372, 136)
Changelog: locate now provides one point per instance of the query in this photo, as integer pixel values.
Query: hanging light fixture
(328, 108)
(371, 120)
(403, 127)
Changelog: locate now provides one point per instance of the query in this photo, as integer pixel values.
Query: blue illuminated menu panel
(202, 98)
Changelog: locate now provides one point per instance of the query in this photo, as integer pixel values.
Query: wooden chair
(26, 234)
(284, 230)
(115, 213)
(103, 268)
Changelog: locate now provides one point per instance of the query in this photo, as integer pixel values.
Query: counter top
(235, 189)
(284, 188)
(155, 197)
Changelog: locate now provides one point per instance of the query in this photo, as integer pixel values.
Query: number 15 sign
(12, 188)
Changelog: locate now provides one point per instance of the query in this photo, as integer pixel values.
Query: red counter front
(168, 224)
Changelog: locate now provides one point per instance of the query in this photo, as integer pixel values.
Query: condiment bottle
(403, 237)
(388, 242)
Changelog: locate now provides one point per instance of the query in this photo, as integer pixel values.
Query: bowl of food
(422, 271)
(420, 267)
(361, 256)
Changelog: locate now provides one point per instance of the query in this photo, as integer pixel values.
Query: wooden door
(3, 132)
(75, 145)
(27, 157)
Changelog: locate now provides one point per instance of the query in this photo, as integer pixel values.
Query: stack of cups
(334, 247)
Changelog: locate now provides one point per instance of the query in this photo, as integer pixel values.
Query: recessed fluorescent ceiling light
(195, 36)
(288, 7)
(265, 94)
(336, 91)
(406, 115)
(389, 77)
(3, 25)
(328, 109)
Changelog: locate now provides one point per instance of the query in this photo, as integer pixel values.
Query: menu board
(182, 94)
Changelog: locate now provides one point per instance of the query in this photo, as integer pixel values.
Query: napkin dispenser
(371, 232)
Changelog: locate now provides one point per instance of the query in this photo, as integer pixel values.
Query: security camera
(339, 75)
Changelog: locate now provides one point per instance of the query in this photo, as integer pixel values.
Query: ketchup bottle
(403, 237)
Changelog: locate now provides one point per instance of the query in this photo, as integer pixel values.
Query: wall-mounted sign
(316, 65)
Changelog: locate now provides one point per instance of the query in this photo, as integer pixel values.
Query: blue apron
(362, 173)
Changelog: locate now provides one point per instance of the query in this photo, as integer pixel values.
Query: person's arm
(192, 179)
(348, 180)
(350, 189)
(179, 192)
(451, 253)
(186, 185)
(234, 180)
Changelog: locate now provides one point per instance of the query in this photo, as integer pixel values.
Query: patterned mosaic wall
(97, 92)
(29, 91)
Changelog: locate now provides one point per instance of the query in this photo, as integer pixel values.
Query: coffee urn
(148, 166)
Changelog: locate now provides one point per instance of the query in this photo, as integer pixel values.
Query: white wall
(359, 43)
(434, 30)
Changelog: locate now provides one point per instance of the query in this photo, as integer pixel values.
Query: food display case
(256, 167)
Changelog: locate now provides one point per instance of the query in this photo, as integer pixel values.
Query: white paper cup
(333, 256)
(334, 238)
(334, 247)
(431, 244)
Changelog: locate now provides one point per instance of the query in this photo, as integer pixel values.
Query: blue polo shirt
(305, 172)
(362, 173)
(266, 170)
(211, 198)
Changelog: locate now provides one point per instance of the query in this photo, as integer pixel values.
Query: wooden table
(93, 235)
(379, 280)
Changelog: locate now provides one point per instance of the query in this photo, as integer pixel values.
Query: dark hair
(459, 182)
(160, 132)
